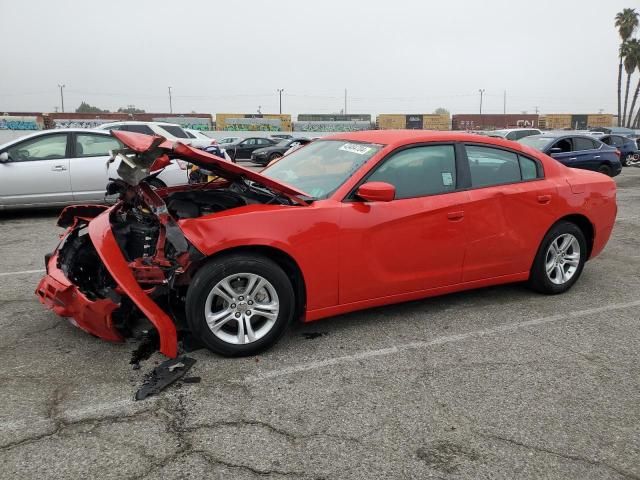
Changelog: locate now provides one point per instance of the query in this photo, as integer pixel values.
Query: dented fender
(105, 244)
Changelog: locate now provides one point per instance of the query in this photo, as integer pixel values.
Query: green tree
(441, 111)
(130, 109)
(634, 55)
(86, 108)
(626, 22)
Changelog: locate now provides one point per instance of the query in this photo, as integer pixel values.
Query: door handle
(544, 199)
(597, 156)
(455, 216)
(58, 168)
(573, 158)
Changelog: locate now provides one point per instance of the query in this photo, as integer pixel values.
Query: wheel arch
(280, 257)
(584, 224)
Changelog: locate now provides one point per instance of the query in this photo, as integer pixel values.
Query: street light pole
(481, 94)
(61, 96)
(280, 90)
(170, 105)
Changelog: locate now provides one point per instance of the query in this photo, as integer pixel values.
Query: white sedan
(65, 166)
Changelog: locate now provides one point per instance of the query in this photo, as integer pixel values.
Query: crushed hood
(143, 151)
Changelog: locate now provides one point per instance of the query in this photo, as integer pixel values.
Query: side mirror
(376, 192)
(556, 150)
(4, 157)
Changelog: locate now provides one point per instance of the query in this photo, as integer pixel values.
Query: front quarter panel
(308, 234)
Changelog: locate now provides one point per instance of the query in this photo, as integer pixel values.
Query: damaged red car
(348, 222)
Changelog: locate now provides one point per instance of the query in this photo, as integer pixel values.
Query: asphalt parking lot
(494, 383)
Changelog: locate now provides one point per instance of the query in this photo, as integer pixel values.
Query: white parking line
(22, 272)
(316, 365)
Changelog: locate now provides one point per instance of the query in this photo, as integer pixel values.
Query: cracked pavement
(494, 383)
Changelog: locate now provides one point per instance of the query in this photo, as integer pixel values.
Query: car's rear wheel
(560, 259)
(626, 159)
(605, 169)
(273, 157)
(239, 305)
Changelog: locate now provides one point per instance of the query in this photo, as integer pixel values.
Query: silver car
(64, 166)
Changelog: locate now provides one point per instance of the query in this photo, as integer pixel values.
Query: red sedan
(348, 222)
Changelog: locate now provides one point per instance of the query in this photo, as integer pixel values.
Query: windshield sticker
(447, 179)
(355, 148)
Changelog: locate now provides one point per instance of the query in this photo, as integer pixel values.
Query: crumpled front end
(116, 264)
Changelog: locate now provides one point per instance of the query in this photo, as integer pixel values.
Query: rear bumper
(58, 294)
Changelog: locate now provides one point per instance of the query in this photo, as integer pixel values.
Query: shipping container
(334, 117)
(476, 121)
(425, 121)
(568, 121)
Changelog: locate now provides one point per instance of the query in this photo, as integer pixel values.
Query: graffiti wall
(193, 123)
(252, 122)
(11, 122)
(328, 126)
(78, 122)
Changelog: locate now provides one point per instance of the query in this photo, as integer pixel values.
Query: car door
(245, 148)
(586, 153)
(508, 211)
(412, 243)
(37, 171)
(89, 168)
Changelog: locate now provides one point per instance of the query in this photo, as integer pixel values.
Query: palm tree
(635, 53)
(626, 23)
(628, 48)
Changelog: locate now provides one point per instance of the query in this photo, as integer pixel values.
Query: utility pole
(170, 105)
(481, 94)
(280, 90)
(536, 109)
(504, 103)
(61, 87)
(345, 101)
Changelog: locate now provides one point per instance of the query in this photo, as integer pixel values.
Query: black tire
(538, 278)
(213, 272)
(157, 183)
(625, 160)
(605, 169)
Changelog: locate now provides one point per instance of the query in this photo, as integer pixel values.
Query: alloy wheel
(562, 259)
(242, 308)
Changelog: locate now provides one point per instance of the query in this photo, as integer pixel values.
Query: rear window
(174, 130)
(139, 129)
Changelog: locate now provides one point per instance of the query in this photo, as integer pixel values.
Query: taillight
(618, 153)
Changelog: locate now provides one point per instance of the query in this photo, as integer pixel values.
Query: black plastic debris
(164, 375)
(191, 380)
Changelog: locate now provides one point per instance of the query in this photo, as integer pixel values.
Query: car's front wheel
(560, 259)
(240, 304)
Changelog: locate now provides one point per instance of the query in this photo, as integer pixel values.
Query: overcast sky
(395, 56)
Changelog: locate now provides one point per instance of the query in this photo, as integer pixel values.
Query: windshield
(228, 140)
(536, 141)
(321, 167)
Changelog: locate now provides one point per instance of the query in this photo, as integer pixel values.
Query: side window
(564, 145)
(419, 171)
(608, 140)
(140, 129)
(580, 143)
(89, 145)
(617, 141)
(492, 166)
(49, 147)
(512, 136)
(528, 168)
(249, 141)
